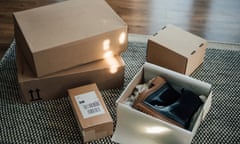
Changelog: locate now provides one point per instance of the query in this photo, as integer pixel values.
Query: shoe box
(68, 44)
(91, 113)
(134, 126)
(106, 73)
(66, 34)
(176, 49)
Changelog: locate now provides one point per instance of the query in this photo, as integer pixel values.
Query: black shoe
(183, 109)
(164, 96)
(160, 93)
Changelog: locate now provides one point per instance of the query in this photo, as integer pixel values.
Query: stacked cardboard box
(68, 44)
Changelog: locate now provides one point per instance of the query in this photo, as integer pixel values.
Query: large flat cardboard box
(70, 33)
(107, 74)
(91, 113)
(134, 126)
(176, 49)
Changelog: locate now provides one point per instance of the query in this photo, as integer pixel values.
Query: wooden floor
(216, 20)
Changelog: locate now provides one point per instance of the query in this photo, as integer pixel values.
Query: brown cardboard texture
(70, 33)
(91, 113)
(108, 73)
(176, 49)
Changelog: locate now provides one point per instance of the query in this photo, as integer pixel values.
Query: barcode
(89, 104)
(93, 110)
(92, 107)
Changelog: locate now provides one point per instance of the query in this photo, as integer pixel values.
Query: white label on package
(89, 104)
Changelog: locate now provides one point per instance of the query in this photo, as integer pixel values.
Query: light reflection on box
(122, 37)
(106, 44)
(108, 55)
(156, 130)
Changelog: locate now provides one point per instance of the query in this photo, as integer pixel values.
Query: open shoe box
(134, 126)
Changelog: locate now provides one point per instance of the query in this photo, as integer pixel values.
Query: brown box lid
(177, 40)
(176, 49)
(66, 34)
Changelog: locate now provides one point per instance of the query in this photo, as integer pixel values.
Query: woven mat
(53, 121)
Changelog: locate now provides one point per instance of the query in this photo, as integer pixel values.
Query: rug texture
(53, 121)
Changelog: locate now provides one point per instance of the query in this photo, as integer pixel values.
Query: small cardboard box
(176, 49)
(107, 73)
(134, 126)
(70, 33)
(91, 113)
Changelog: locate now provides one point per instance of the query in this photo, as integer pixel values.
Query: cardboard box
(176, 49)
(134, 126)
(70, 33)
(91, 113)
(108, 73)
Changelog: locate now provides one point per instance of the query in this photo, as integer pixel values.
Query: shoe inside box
(157, 98)
(145, 128)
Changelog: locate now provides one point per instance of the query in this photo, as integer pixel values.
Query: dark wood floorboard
(216, 20)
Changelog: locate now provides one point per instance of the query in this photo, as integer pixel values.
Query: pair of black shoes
(165, 103)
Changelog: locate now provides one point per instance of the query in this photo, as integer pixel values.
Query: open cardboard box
(176, 49)
(134, 126)
(107, 74)
(67, 34)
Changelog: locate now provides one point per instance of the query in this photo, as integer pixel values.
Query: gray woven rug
(53, 121)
